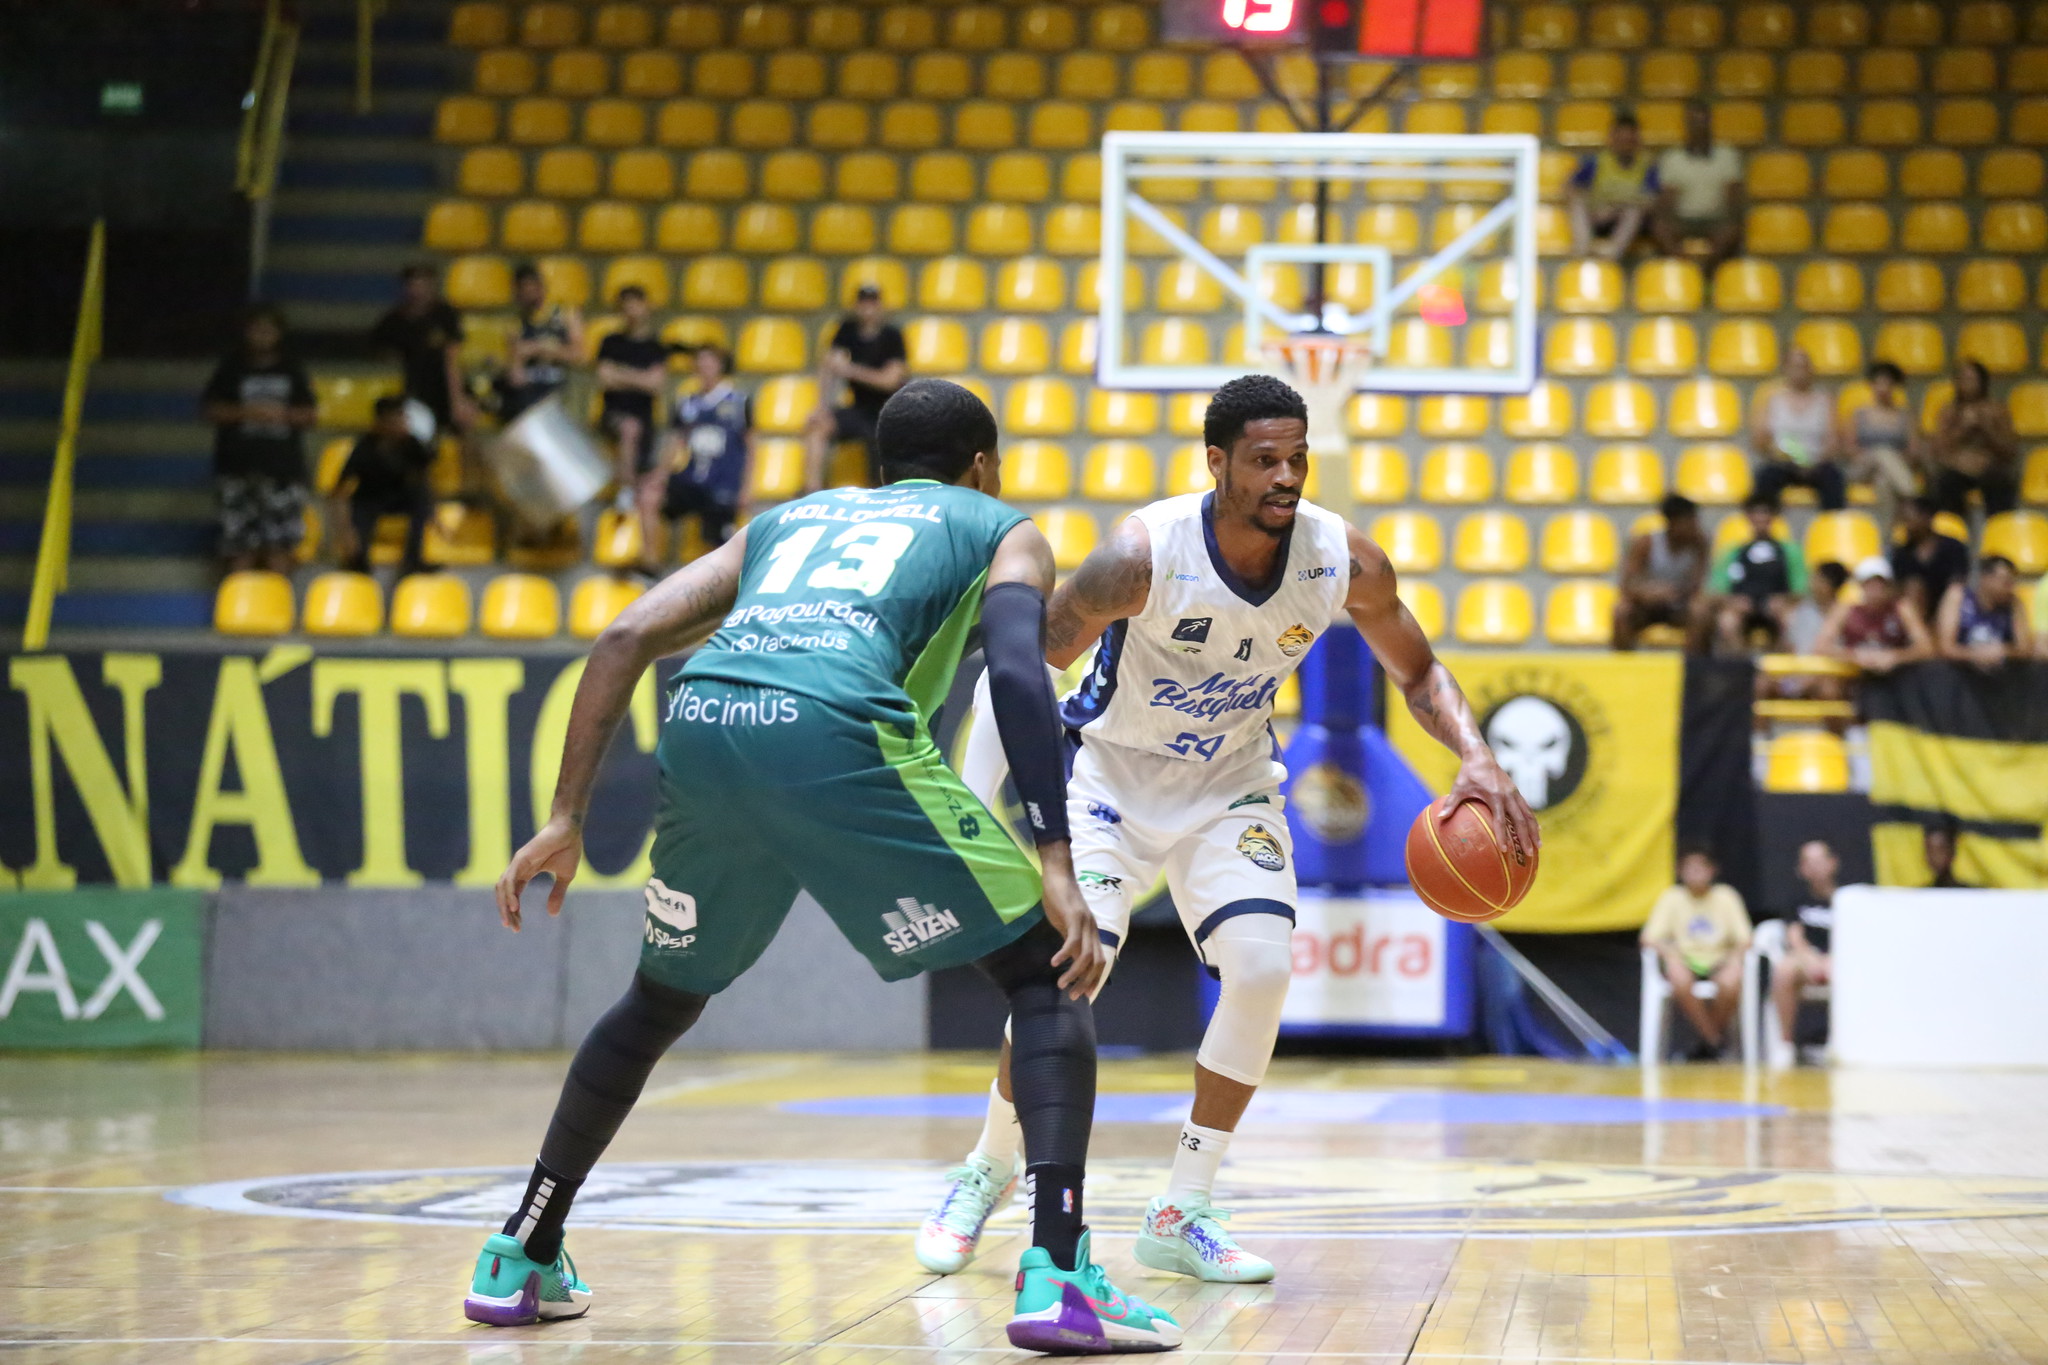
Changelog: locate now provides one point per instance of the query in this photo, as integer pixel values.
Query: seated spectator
(550, 340)
(709, 444)
(1880, 631)
(1661, 576)
(1926, 561)
(1983, 625)
(1793, 430)
(1700, 192)
(1880, 442)
(867, 357)
(1938, 847)
(1974, 446)
(425, 332)
(260, 403)
(1611, 192)
(1824, 583)
(1700, 930)
(386, 476)
(632, 371)
(1806, 961)
(1756, 583)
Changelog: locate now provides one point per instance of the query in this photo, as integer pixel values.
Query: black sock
(1054, 1189)
(537, 1225)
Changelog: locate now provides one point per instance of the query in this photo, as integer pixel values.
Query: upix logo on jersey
(670, 911)
(912, 926)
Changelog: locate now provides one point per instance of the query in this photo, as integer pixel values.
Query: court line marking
(85, 1189)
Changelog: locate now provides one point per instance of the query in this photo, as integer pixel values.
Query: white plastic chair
(1657, 1002)
(1769, 941)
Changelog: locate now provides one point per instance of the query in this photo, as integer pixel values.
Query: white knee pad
(1255, 957)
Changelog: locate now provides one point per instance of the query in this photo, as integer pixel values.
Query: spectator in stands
(632, 371)
(868, 357)
(1824, 583)
(1700, 931)
(1700, 193)
(1881, 630)
(386, 476)
(1974, 446)
(1806, 961)
(1611, 192)
(550, 340)
(1661, 576)
(425, 332)
(1938, 847)
(260, 403)
(1984, 625)
(1793, 430)
(1926, 561)
(1756, 583)
(707, 449)
(1880, 443)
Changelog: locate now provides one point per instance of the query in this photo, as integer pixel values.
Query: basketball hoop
(1324, 369)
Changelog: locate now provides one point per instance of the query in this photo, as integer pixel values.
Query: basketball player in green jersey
(796, 755)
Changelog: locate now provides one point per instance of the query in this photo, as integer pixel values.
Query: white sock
(1000, 1135)
(1195, 1160)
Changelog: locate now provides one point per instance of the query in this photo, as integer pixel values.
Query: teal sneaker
(1184, 1235)
(1080, 1313)
(947, 1241)
(508, 1290)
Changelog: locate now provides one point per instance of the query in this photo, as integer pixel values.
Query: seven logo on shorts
(912, 926)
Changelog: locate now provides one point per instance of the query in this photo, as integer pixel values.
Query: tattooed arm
(678, 611)
(1433, 695)
(1111, 584)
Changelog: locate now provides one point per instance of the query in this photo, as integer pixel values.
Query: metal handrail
(53, 553)
(366, 39)
(264, 109)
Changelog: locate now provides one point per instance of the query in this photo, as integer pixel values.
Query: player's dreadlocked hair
(932, 429)
(1249, 399)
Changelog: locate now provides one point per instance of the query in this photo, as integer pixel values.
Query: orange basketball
(1461, 871)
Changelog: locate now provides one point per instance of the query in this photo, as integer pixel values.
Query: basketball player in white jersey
(1203, 604)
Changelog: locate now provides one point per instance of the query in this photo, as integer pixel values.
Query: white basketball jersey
(1194, 674)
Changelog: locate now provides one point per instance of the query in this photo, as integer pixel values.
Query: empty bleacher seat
(1714, 474)
(1379, 473)
(1036, 471)
(1743, 347)
(1935, 227)
(1828, 287)
(1913, 344)
(1748, 286)
(1543, 413)
(2020, 536)
(1999, 344)
(1457, 472)
(1588, 286)
(1494, 612)
(1931, 173)
(1806, 761)
(1413, 541)
(1663, 346)
(1119, 471)
(477, 23)
(2014, 226)
(596, 603)
(1625, 473)
(1620, 407)
(1834, 346)
(1071, 533)
(343, 604)
(433, 606)
(1846, 538)
(1580, 612)
(1578, 542)
(1579, 346)
(1490, 542)
(782, 405)
(1705, 407)
(520, 606)
(253, 602)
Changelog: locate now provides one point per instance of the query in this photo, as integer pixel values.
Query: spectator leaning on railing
(1984, 625)
(1880, 631)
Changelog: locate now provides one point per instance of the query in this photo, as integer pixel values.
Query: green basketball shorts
(765, 792)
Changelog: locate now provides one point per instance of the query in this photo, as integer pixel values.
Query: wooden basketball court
(267, 1209)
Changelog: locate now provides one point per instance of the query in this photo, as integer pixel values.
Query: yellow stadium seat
(920, 230)
(1987, 22)
(506, 71)
(479, 282)
(942, 178)
(716, 175)
(774, 345)
(689, 228)
(688, 123)
(953, 284)
(759, 125)
(1665, 285)
(1888, 71)
(716, 282)
(723, 76)
(2014, 226)
(765, 28)
(579, 74)
(1627, 473)
(1494, 612)
(1019, 178)
(1120, 28)
(782, 405)
(2028, 402)
(1935, 228)
(835, 28)
(614, 123)
(649, 274)
(1454, 415)
(1046, 28)
(870, 176)
(1582, 123)
(843, 230)
(1501, 116)
(1746, 286)
(1780, 175)
(1740, 123)
(430, 606)
(1457, 471)
(1844, 537)
(1812, 123)
(998, 230)
(1705, 407)
(596, 603)
(1815, 73)
(869, 76)
(1543, 413)
(943, 75)
(936, 346)
(1974, 123)
(1713, 474)
(1426, 117)
(1813, 761)
(477, 24)
(1775, 230)
(1037, 471)
(795, 284)
(910, 126)
(907, 28)
(1854, 174)
(1121, 412)
(1376, 414)
(493, 172)
(1413, 541)
(1578, 542)
(534, 225)
(608, 226)
(567, 279)
(1996, 343)
(776, 472)
(1415, 344)
(1620, 408)
(551, 25)
(1579, 613)
(565, 173)
(985, 126)
(643, 174)
(1663, 346)
(1071, 533)
(1187, 470)
(1857, 229)
(537, 121)
(457, 225)
(1768, 24)
(1588, 286)
(1618, 25)
(341, 604)
(1931, 173)
(1834, 346)
(621, 25)
(1521, 75)
(1964, 71)
(1913, 344)
(1393, 226)
(1031, 284)
(2020, 536)
(1549, 27)
(1828, 287)
(1692, 26)
(764, 229)
(1579, 346)
(1073, 230)
(253, 602)
(520, 606)
(976, 28)
(1119, 471)
(1093, 76)
(1838, 23)
(2029, 121)
(1490, 542)
(2034, 482)
(1743, 347)
(1039, 407)
(694, 27)
(1015, 346)
(1910, 23)
(1173, 341)
(1668, 75)
(1425, 602)
(1744, 74)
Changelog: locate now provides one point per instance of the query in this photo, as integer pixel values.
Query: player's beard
(1249, 508)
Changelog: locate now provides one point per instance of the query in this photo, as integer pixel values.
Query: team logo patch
(671, 916)
(1098, 881)
(1107, 814)
(1193, 630)
(1295, 639)
(1259, 845)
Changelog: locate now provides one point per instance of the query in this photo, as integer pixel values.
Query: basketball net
(1325, 370)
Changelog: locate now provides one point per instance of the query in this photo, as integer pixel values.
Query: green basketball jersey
(860, 597)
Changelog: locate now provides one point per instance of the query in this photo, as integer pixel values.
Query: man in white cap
(1879, 631)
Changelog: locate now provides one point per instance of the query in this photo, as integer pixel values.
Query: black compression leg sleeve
(604, 1081)
(1052, 1080)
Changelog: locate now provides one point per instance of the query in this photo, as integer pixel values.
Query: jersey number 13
(865, 558)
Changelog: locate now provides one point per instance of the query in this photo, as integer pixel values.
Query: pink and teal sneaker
(1080, 1313)
(508, 1290)
(1185, 1235)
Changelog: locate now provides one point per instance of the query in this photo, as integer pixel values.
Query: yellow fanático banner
(1592, 740)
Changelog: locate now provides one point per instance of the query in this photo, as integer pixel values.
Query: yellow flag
(1592, 741)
